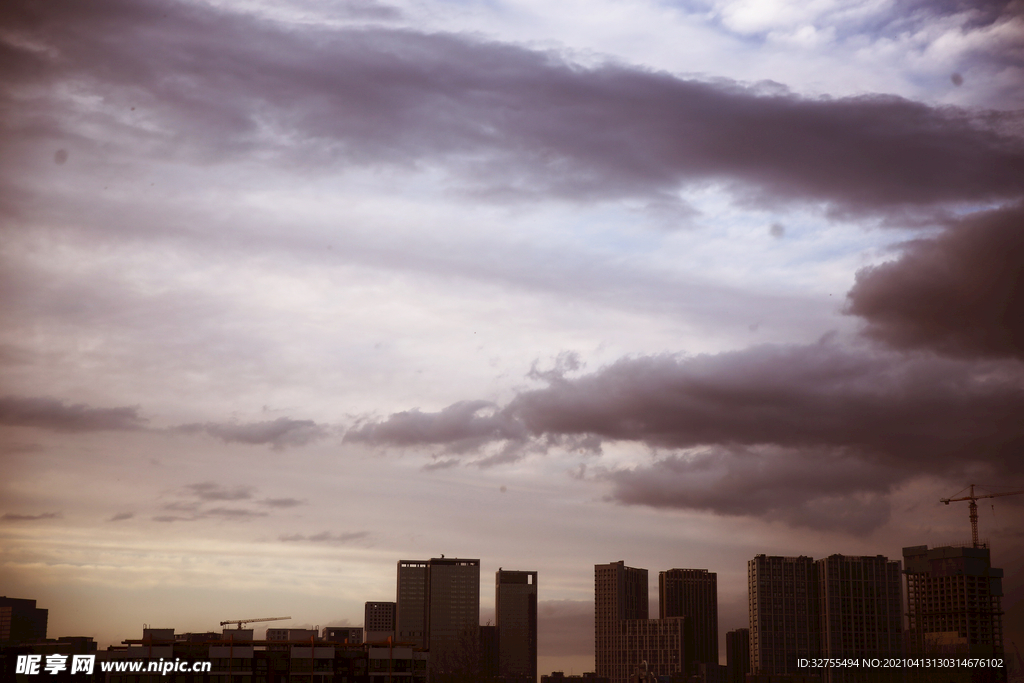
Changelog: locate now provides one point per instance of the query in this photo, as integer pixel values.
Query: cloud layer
(507, 121)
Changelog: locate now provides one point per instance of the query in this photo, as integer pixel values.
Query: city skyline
(290, 291)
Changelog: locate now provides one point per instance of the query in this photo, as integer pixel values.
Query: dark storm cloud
(54, 415)
(277, 433)
(509, 120)
(811, 435)
(961, 293)
(818, 490)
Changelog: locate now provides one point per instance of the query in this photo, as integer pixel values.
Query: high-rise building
(411, 604)
(620, 593)
(438, 608)
(861, 607)
(784, 613)
(953, 601)
(737, 654)
(515, 602)
(837, 607)
(692, 593)
(379, 621)
(625, 637)
(21, 621)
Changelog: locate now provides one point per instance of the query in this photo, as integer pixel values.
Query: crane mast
(974, 508)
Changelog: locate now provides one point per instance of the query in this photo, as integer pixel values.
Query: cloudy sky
(290, 291)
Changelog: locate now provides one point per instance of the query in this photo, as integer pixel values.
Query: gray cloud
(819, 490)
(509, 121)
(54, 415)
(960, 293)
(812, 435)
(14, 517)
(327, 537)
(460, 427)
(282, 502)
(278, 433)
(208, 490)
(121, 516)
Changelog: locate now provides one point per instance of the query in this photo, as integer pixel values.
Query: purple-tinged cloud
(51, 414)
(121, 516)
(509, 122)
(813, 435)
(278, 434)
(460, 427)
(961, 293)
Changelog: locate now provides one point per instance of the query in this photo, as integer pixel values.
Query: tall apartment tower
(861, 606)
(411, 604)
(784, 613)
(453, 611)
(379, 621)
(515, 602)
(693, 593)
(737, 654)
(620, 593)
(954, 600)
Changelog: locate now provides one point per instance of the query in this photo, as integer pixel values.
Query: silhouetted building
(620, 593)
(560, 677)
(836, 607)
(693, 593)
(379, 621)
(953, 601)
(438, 608)
(489, 652)
(234, 656)
(784, 613)
(21, 621)
(515, 602)
(411, 604)
(737, 654)
(625, 637)
(350, 635)
(861, 606)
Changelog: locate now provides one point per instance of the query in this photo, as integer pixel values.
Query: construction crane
(250, 621)
(974, 507)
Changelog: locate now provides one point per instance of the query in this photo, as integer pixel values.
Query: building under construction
(953, 601)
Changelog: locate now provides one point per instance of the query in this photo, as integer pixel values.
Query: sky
(290, 291)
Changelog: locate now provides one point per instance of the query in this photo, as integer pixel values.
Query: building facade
(21, 620)
(737, 654)
(411, 603)
(620, 593)
(379, 621)
(861, 607)
(837, 607)
(954, 598)
(692, 593)
(438, 608)
(515, 602)
(784, 613)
